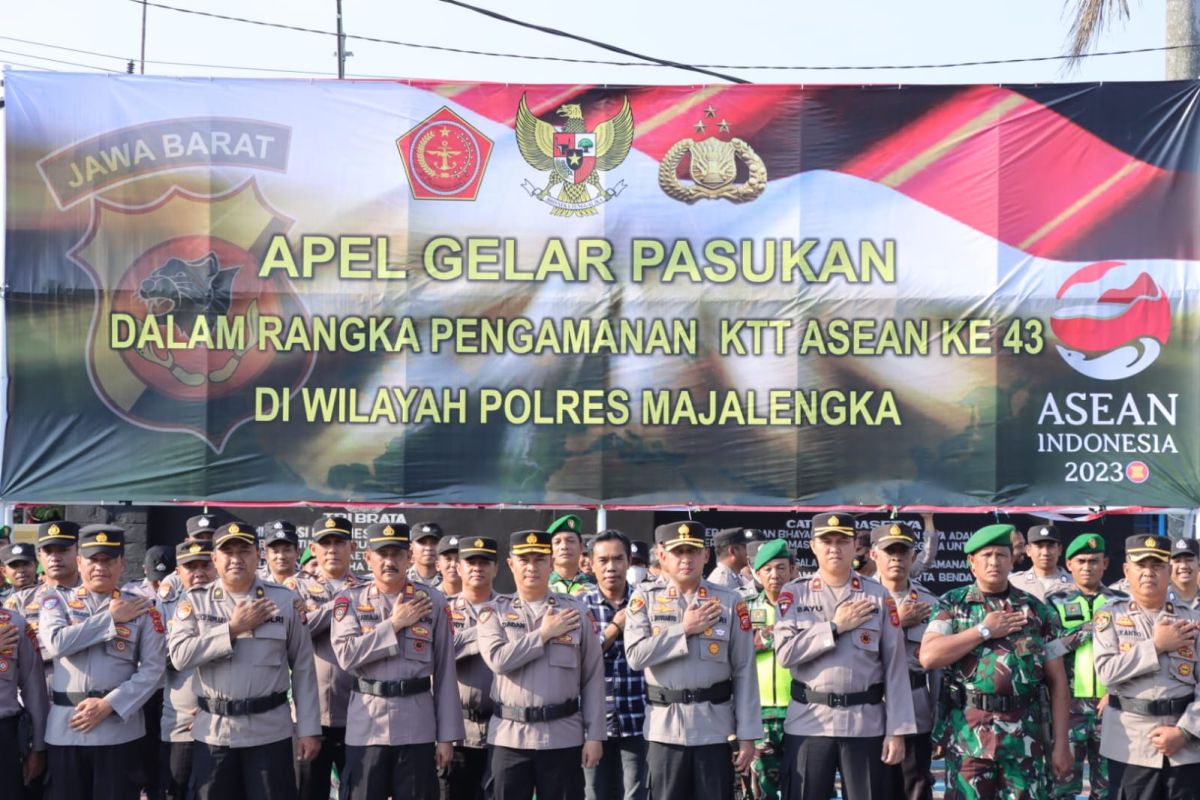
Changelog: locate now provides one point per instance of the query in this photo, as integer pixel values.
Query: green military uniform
(581, 582)
(991, 720)
(1076, 611)
(774, 691)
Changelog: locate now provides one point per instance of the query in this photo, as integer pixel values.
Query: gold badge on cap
(894, 530)
(329, 523)
(1149, 541)
(531, 538)
(234, 528)
(1092, 542)
(102, 538)
(479, 542)
(194, 548)
(571, 523)
(834, 520)
(54, 530)
(389, 531)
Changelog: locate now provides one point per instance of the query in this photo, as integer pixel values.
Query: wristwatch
(985, 632)
(833, 627)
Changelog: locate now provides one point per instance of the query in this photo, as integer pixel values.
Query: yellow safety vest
(774, 681)
(1086, 682)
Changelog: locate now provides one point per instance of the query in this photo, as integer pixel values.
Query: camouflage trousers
(763, 782)
(1012, 777)
(1085, 748)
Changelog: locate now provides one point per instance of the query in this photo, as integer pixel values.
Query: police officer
(694, 642)
(773, 566)
(281, 551)
(57, 551)
(425, 538)
(109, 655)
(1045, 575)
(567, 544)
(548, 691)
(20, 566)
(1146, 653)
(997, 645)
(1077, 607)
(199, 526)
(1183, 591)
(331, 540)
(892, 547)
(392, 636)
(22, 689)
(158, 563)
(730, 545)
(467, 778)
(242, 636)
(447, 564)
(193, 564)
(852, 704)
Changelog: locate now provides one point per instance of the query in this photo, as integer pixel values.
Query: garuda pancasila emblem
(574, 156)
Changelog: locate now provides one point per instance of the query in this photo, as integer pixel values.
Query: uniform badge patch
(893, 612)
(1124, 622)
(156, 620)
(655, 631)
(785, 602)
(743, 614)
(315, 590)
(420, 630)
(76, 604)
(50, 603)
(636, 604)
(1184, 669)
(714, 648)
(3, 665)
(485, 614)
(1103, 620)
(1186, 652)
(364, 607)
(340, 607)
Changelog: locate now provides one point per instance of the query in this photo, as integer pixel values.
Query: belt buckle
(688, 697)
(835, 701)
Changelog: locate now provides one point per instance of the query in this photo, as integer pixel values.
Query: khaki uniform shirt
(1175, 597)
(91, 652)
(1128, 662)
(857, 659)
(655, 643)
(1030, 583)
(257, 664)
(28, 602)
(179, 691)
(530, 673)
(433, 581)
(924, 705)
(22, 683)
(142, 589)
(726, 578)
(474, 676)
(367, 646)
(318, 593)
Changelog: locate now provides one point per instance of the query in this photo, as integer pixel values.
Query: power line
(56, 60)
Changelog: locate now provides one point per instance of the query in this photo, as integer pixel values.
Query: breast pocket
(1182, 666)
(124, 646)
(562, 652)
(267, 647)
(714, 643)
(418, 643)
(866, 638)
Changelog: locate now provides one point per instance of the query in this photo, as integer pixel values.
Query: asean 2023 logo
(1112, 319)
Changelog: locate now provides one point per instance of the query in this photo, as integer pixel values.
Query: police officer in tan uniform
(109, 655)
(243, 637)
(544, 649)
(280, 551)
(57, 553)
(694, 642)
(332, 543)
(1145, 649)
(852, 702)
(392, 637)
(730, 545)
(22, 689)
(193, 565)
(468, 778)
(199, 526)
(1045, 576)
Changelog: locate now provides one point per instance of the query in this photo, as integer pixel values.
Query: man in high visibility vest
(1076, 607)
(773, 567)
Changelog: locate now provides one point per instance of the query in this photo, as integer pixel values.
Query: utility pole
(1183, 33)
(143, 67)
(341, 51)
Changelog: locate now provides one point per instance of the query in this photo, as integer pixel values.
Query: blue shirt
(624, 688)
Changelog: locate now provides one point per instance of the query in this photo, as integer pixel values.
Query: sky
(857, 33)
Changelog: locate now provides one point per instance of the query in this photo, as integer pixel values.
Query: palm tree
(1092, 17)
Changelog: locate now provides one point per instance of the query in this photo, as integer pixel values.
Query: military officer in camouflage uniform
(548, 691)
(730, 546)
(425, 538)
(280, 551)
(467, 777)
(773, 566)
(109, 655)
(1045, 576)
(392, 637)
(244, 637)
(852, 704)
(567, 577)
(332, 542)
(892, 547)
(1146, 650)
(1077, 607)
(997, 645)
(1183, 590)
(22, 689)
(693, 640)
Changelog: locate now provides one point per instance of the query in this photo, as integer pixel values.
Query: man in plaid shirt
(622, 770)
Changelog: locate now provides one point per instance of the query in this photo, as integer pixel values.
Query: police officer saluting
(852, 704)
(109, 656)
(1146, 652)
(243, 636)
(693, 641)
(548, 692)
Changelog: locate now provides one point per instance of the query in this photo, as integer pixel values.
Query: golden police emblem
(712, 166)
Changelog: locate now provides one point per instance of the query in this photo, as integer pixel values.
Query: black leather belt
(997, 702)
(872, 696)
(717, 693)
(392, 688)
(1163, 707)
(476, 715)
(538, 713)
(73, 699)
(918, 680)
(241, 708)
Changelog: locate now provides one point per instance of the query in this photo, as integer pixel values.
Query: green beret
(776, 548)
(1000, 533)
(1086, 543)
(569, 522)
(306, 556)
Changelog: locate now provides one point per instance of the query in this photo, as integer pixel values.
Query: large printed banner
(261, 290)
